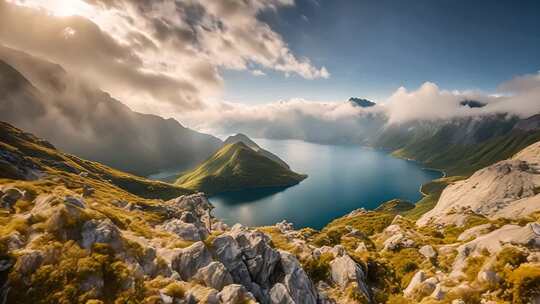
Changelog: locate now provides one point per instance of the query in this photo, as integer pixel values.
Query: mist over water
(341, 179)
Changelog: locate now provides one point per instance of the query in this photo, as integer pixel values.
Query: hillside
(26, 157)
(459, 146)
(42, 98)
(235, 167)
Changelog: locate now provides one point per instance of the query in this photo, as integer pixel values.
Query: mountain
(250, 143)
(70, 233)
(458, 146)
(360, 102)
(24, 156)
(472, 104)
(43, 98)
(234, 167)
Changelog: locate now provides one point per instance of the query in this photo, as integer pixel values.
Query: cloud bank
(339, 121)
(157, 56)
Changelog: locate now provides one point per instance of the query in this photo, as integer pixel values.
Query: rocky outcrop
(190, 260)
(345, 271)
(214, 275)
(100, 231)
(506, 189)
(493, 242)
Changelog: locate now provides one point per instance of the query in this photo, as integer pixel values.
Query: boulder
(214, 275)
(428, 251)
(280, 295)
(417, 279)
(398, 241)
(235, 294)
(75, 201)
(29, 261)
(474, 232)
(344, 271)
(298, 284)
(189, 260)
(186, 231)
(100, 231)
(284, 226)
(228, 252)
(493, 242)
(488, 276)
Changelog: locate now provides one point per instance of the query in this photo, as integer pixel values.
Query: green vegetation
(33, 152)
(437, 150)
(367, 223)
(318, 269)
(431, 191)
(395, 206)
(236, 167)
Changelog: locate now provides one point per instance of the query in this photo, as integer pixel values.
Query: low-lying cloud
(340, 121)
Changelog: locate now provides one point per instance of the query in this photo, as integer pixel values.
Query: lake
(341, 179)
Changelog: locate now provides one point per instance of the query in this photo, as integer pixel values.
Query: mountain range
(43, 98)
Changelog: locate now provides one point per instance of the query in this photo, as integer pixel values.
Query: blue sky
(371, 48)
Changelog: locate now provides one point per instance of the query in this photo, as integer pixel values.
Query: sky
(371, 48)
(286, 66)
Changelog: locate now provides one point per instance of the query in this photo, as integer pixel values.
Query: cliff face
(507, 189)
(70, 234)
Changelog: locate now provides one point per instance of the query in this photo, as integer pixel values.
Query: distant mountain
(472, 104)
(459, 146)
(250, 143)
(364, 103)
(42, 98)
(530, 124)
(24, 156)
(235, 167)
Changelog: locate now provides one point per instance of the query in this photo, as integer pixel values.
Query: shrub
(474, 264)
(318, 269)
(510, 256)
(525, 282)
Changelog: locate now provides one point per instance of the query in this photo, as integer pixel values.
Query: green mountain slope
(250, 143)
(459, 147)
(234, 167)
(24, 156)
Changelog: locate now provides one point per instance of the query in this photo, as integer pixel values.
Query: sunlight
(61, 8)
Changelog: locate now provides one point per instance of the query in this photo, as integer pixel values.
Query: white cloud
(258, 73)
(153, 54)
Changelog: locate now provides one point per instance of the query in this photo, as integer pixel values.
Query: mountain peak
(472, 104)
(237, 166)
(364, 103)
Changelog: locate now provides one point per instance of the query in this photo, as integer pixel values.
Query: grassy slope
(235, 167)
(56, 163)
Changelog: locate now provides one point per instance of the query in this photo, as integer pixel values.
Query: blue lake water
(341, 179)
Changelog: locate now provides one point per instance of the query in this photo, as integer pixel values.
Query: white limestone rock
(428, 251)
(506, 189)
(214, 275)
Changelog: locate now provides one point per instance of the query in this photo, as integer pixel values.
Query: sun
(61, 8)
(70, 8)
